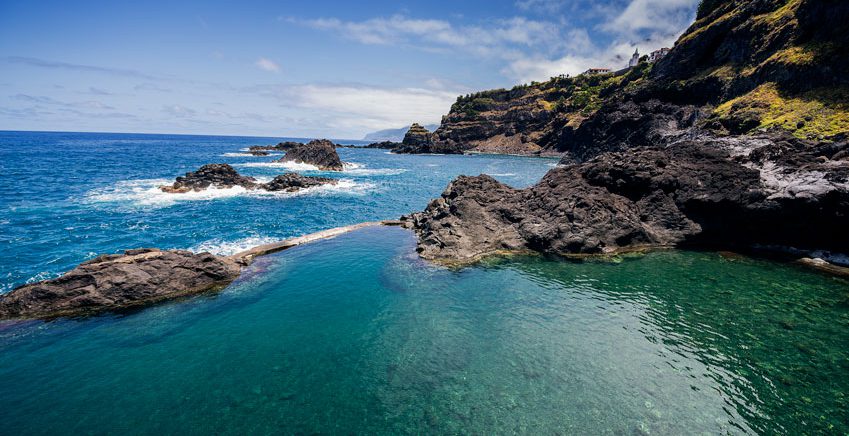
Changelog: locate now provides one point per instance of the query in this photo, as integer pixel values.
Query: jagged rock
(258, 153)
(690, 193)
(417, 140)
(292, 182)
(118, 281)
(281, 146)
(224, 176)
(319, 152)
(215, 175)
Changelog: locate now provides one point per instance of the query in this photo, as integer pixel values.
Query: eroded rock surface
(691, 193)
(118, 281)
(210, 175)
(320, 153)
(292, 182)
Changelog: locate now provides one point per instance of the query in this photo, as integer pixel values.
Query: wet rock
(110, 282)
(258, 153)
(210, 175)
(280, 146)
(292, 182)
(687, 194)
(320, 153)
(387, 145)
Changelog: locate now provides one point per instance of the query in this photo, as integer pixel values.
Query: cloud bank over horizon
(296, 71)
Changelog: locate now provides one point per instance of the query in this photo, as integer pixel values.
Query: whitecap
(503, 174)
(358, 169)
(247, 155)
(291, 166)
(221, 247)
(146, 193)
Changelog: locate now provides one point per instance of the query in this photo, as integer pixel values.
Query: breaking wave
(145, 193)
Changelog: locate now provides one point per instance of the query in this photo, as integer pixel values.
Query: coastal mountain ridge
(742, 67)
(737, 138)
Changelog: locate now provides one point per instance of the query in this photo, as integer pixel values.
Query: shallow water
(357, 335)
(67, 197)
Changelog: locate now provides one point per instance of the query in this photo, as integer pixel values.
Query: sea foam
(145, 193)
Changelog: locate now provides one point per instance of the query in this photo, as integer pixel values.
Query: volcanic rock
(417, 140)
(118, 281)
(292, 182)
(320, 153)
(215, 175)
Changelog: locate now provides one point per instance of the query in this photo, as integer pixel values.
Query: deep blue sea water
(357, 335)
(67, 197)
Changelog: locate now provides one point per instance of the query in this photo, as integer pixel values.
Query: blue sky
(306, 68)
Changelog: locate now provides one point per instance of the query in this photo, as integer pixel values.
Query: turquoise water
(67, 197)
(357, 335)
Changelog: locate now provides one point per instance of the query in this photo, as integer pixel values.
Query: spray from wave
(145, 193)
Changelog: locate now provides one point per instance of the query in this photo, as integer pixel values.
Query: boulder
(320, 153)
(118, 281)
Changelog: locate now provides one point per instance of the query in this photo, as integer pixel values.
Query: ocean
(357, 335)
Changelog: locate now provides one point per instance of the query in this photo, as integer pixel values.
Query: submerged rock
(319, 152)
(214, 175)
(292, 182)
(117, 281)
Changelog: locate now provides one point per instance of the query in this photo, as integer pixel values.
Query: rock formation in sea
(416, 140)
(292, 182)
(386, 145)
(319, 152)
(117, 281)
(737, 137)
(258, 153)
(224, 176)
(280, 146)
(210, 175)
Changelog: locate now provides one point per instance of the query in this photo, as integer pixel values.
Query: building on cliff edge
(635, 59)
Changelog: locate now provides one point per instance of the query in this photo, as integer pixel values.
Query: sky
(336, 69)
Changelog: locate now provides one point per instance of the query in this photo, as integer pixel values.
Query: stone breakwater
(141, 277)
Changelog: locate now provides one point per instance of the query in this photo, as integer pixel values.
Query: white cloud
(179, 111)
(492, 39)
(653, 16)
(267, 65)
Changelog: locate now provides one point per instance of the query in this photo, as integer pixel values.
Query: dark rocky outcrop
(386, 145)
(292, 182)
(699, 193)
(210, 175)
(280, 146)
(224, 176)
(417, 140)
(736, 138)
(320, 153)
(118, 281)
(258, 153)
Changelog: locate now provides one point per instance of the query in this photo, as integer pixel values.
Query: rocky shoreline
(142, 277)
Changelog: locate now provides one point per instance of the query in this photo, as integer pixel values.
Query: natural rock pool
(357, 335)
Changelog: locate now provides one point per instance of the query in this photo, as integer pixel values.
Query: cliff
(737, 138)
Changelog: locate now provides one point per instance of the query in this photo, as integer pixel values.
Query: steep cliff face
(744, 66)
(526, 119)
(737, 137)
